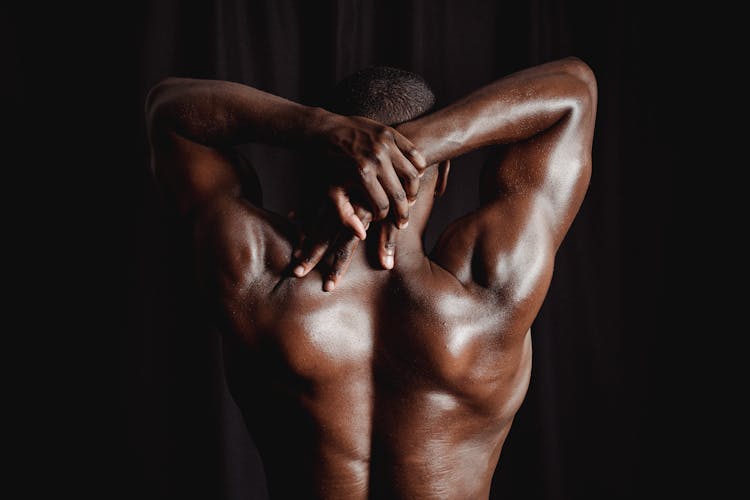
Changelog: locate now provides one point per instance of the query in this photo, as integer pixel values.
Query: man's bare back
(401, 382)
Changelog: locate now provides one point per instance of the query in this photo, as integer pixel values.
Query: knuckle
(365, 169)
(399, 195)
(389, 244)
(384, 133)
(345, 213)
(379, 149)
(341, 254)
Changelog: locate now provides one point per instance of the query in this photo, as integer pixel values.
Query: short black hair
(384, 94)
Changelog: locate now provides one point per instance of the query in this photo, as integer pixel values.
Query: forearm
(512, 109)
(192, 114)
(218, 113)
(193, 123)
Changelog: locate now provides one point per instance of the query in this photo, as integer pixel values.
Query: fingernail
(412, 202)
(389, 262)
(421, 174)
(403, 224)
(299, 271)
(329, 286)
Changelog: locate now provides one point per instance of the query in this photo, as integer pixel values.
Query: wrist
(419, 133)
(317, 122)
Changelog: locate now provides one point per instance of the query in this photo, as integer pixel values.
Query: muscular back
(399, 384)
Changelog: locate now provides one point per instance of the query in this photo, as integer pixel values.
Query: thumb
(346, 212)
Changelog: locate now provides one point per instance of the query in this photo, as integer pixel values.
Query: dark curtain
(586, 429)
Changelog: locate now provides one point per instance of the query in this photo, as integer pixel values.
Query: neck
(408, 242)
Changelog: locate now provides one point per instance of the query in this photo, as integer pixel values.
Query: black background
(592, 425)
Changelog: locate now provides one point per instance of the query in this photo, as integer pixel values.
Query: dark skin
(402, 382)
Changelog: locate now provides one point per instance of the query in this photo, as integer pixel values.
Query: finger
(345, 210)
(310, 255)
(305, 241)
(410, 151)
(387, 247)
(343, 252)
(408, 174)
(375, 194)
(398, 202)
(364, 215)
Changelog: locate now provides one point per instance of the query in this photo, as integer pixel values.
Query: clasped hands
(372, 174)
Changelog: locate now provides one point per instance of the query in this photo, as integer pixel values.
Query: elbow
(157, 101)
(582, 116)
(154, 105)
(580, 70)
(581, 103)
(584, 83)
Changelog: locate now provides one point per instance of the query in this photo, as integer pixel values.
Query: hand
(380, 161)
(339, 244)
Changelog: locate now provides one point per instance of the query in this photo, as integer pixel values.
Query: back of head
(384, 94)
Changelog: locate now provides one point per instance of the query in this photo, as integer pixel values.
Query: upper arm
(218, 193)
(530, 193)
(190, 173)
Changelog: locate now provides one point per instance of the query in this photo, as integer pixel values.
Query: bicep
(548, 173)
(530, 193)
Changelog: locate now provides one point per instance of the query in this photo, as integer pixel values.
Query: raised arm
(191, 124)
(544, 119)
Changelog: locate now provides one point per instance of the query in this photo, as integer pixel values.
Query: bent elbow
(581, 71)
(156, 102)
(585, 83)
(583, 105)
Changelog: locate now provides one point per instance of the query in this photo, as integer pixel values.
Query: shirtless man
(400, 380)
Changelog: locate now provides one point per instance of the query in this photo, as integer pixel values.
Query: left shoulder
(237, 244)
